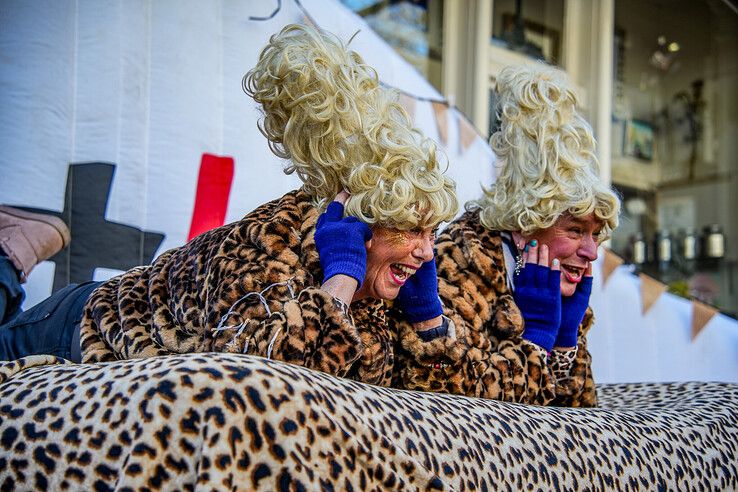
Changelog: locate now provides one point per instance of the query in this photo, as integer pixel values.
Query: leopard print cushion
(216, 421)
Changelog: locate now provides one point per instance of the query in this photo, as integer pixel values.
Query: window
(530, 27)
(413, 28)
(674, 123)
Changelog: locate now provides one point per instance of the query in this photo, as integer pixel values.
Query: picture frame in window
(639, 140)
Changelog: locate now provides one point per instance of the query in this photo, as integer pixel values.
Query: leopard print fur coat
(235, 422)
(488, 357)
(249, 287)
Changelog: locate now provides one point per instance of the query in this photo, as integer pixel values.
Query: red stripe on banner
(213, 191)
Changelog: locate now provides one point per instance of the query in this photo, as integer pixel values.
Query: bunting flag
(441, 112)
(467, 132)
(610, 263)
(408, 103)
(651, 290)
(701, 315)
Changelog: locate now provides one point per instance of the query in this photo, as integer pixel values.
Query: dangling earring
(519, 264)
(518, 251)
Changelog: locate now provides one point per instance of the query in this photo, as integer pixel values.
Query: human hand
(573, 308)
(538, 296)
(341, 242)
(418, 298)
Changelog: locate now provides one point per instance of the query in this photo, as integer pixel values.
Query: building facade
(658, 81)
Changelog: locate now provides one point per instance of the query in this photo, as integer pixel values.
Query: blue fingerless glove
(538, 296)
(572, 314)
(418, 298)
(341, 244)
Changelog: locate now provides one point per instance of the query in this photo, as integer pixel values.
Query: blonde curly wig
(325, 111)
(547, 155)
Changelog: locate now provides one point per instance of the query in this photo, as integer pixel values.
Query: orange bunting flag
(408, 102)
(467, 132)
(651, 290)
(441, 111)
(609, 264)
(701, 315)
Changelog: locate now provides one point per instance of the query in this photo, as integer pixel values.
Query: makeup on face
(393, 257)
(574, 242)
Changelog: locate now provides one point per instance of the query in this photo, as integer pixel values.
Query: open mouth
(572, 273)
(400, 273)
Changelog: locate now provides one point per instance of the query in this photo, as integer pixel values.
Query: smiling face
(574, 241)
(392, 256)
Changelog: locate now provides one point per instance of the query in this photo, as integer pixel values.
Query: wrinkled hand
(538, 296)
(341, 243)
(418, 298)
(572, 312)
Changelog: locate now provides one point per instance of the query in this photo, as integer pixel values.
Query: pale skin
(569, 246)
(387, 250)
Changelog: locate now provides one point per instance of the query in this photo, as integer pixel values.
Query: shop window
(413, 28)
(530, 27)
(674, 134)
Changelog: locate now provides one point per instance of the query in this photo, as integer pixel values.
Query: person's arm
(341, 244)
(575, 386)
(311, 327)
(326, 338)
(420, 304)
(313, 330)
(570, 362)
(341, 287)
(292, 322)
(538, 296)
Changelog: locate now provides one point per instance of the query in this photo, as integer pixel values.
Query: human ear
(520, 240)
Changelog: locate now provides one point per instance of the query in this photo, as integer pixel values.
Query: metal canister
(689, 245)
(714, 241)
(663, 246)
(639, 249)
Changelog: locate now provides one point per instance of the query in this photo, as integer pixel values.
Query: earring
(519, 263)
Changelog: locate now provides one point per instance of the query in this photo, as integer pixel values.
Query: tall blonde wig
(547, 155)
(325, 111)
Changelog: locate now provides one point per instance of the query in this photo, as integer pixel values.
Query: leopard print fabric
(488, 358)
(234, 422)
(249, 287)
